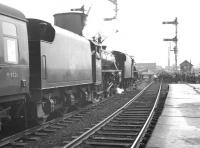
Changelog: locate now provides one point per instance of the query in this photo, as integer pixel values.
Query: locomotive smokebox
(72, 21)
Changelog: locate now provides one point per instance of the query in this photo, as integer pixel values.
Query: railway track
(126, 126)
(22, 139)
(33, 134)
(115, 128)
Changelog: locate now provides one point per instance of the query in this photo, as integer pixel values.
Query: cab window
(9, 29)
(10, 42)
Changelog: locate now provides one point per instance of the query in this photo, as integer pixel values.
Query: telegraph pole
(169, 49)
(175, 39)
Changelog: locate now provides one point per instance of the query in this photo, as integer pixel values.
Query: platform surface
(179, 123)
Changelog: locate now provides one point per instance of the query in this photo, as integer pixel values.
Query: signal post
(175, 39)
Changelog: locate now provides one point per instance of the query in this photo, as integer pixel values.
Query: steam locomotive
(45, 68)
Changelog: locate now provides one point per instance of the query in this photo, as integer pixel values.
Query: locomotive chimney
(72, 21)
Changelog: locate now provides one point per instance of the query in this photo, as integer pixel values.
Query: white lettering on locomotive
(12, 75)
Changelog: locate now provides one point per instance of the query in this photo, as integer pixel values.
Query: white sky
(141, 31)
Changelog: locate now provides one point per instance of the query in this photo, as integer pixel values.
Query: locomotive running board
(110, 70)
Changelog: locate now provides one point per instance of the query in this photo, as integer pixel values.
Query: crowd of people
(178, 77)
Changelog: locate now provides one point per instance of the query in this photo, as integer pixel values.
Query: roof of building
(11, 12)
(185, 62)
(148, 66)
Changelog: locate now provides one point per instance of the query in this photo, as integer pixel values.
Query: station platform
(179, 123)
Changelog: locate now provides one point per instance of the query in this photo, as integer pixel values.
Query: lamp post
(175, 39)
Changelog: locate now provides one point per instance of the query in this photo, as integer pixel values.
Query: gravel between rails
(60, 137)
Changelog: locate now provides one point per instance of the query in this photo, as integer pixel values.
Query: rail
(137, 140)
(85, 135)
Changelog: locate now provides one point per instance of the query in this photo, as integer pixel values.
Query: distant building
(146, 66)
(146, 69)
(186, 67)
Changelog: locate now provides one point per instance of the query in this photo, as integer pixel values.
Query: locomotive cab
(126, 64)
(14, 64)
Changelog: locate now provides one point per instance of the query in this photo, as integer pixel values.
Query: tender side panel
(66, 61)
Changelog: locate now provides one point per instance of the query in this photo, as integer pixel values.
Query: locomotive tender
(44, 68)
